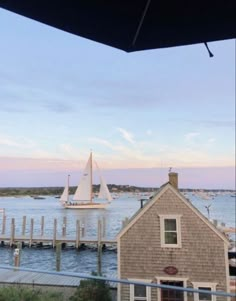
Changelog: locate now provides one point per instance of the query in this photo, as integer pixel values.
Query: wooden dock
(31, 238)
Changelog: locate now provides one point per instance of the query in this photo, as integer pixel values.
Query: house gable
(156, 198)
(200, 256)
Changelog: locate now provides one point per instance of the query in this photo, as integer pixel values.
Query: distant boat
(83, 198)
(38, 197)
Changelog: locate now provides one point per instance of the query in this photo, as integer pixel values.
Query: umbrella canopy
(133, 25)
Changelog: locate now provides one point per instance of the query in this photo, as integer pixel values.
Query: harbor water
(221, 208)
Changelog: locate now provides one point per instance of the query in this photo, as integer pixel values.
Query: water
(85, 261)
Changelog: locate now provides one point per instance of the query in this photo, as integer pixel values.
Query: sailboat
(65, 194)
(83, 198)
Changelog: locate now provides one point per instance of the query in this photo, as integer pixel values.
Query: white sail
(104, 191)
(84, 189)
(65, 195)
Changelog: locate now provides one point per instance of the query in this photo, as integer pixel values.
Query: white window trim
(160, 279)
(178, 230)
(148, 289)
(210, 285)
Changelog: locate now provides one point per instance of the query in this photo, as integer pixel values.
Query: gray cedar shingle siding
(201, 258)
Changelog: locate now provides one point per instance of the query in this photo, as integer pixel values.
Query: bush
(26, 294)
(92, 290)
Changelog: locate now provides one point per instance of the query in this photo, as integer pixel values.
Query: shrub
(92, 290)
(18, 293)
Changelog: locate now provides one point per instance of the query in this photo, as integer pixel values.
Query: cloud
(149, 132)
(126, 135)
(19, 142)
(218, 123)
(191, 136)
(211, 140)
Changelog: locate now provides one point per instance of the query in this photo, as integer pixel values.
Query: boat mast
(68, 187)
(91, 178)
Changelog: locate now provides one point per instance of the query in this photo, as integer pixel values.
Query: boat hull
(86, 206)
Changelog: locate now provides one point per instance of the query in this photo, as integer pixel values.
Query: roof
(136, 24)
(155, 199)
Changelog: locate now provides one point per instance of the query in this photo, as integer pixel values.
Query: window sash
(170, 228)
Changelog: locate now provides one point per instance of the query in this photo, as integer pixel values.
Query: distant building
(169, 241)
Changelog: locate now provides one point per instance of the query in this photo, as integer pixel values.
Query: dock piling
(77, 240)
(58, 257)
(64, 226)
(23, 225)
(12, 232)
(3, 224)
(42, 225)
(31, 231)
(54, 233)
(99, 258)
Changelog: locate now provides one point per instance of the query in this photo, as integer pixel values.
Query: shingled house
(169, 241)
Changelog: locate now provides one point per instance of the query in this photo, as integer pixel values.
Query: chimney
(173, 179)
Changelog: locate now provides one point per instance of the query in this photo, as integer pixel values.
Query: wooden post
(54, 233)
(58, 257)
(3, 224)
(31, 231)
(17, 254)
(77, 241)
(64, 227)
(12, 231)
(99, 259)
(23, 225)
(82, 230)
(103, 227)
(42, 225)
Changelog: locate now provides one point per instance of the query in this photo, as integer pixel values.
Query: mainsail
(84, 189)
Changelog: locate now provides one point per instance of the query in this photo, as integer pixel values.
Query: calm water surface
(85, 261)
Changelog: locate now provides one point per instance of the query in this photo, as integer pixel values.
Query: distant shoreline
(44, 191)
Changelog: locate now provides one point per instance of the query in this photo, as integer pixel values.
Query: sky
(140, 113)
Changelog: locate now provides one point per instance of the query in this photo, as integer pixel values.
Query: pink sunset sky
(45, 173)
(140, 113)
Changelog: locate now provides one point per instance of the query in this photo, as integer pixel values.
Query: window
(206, 287)
(139, 293)
(170, 231)
(202, 296)
(172, 294)
(167, 294)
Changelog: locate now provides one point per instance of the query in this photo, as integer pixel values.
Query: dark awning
(133, 25)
